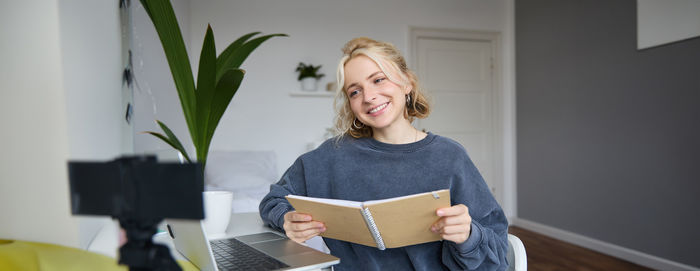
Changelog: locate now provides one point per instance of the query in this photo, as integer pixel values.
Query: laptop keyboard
(232, 254)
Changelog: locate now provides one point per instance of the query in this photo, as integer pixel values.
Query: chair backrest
(517, 258)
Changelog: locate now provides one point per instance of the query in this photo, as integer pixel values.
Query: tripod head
(139, 192)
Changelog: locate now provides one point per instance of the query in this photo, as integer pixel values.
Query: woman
(379, 155)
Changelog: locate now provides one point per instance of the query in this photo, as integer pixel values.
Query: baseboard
(627, 254)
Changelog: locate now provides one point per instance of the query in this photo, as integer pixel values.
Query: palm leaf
(172, 137)
(165, 22)
(234, 59)
(171, 140)
(205, 92)
(229, 50)
(225, 90)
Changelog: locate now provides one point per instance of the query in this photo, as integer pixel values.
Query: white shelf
(318, 93)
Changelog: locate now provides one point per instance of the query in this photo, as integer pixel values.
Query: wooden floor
(545, 254)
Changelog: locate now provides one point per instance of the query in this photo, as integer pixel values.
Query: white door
(458, 76)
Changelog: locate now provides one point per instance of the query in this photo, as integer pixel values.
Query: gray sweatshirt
(366, 169)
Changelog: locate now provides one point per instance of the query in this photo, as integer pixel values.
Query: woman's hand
(454, 223)
(301, 227)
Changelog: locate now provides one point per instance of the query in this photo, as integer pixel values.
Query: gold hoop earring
(357, 127)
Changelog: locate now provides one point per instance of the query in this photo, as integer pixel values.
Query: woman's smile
(376, 111)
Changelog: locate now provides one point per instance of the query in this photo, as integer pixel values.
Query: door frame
(503, 153)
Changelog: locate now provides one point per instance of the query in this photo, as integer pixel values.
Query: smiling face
(374, 99)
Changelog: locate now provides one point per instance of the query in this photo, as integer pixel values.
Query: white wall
(92, 77)
(61, 99)
(262, 115)
(92, 72)
(663, 22)
(34, 192)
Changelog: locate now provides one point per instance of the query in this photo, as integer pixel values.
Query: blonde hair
(393, 65)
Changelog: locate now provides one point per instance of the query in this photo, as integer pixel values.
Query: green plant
(218, 78)
(308, 71)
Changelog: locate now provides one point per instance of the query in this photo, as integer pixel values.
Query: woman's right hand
(301, 227)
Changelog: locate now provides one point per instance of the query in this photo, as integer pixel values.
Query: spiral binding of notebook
(373, 228)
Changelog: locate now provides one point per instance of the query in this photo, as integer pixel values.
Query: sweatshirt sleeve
(487, 245)
(273, 206)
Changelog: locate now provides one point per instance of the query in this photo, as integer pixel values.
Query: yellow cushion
(24, 255)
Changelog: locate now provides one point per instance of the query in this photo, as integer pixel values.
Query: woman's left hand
(454, 223)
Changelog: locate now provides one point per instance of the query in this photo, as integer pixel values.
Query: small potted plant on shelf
(309, 76)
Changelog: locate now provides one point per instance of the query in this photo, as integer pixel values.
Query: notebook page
(337, 202)
(370, 202)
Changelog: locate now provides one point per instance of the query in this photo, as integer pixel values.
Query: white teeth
(378, 108)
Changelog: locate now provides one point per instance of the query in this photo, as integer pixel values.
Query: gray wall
(608, 136)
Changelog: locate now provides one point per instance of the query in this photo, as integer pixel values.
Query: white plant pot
(309, 84)
(217, 212)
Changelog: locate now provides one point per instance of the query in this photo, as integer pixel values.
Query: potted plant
(309, 76)
(218, 78)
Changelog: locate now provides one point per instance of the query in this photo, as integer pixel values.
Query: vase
(217, 212)
(309, 84)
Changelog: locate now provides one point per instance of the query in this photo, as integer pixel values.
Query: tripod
(139, 252)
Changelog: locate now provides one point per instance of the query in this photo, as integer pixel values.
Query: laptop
(260, 251)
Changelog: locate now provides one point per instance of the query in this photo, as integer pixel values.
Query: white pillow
(237, 170)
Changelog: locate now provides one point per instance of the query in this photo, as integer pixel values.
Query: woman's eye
(353, 93)
(379, 80)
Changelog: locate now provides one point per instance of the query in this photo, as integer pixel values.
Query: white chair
(517, 258)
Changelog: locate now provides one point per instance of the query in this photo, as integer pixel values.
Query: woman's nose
(370, 94)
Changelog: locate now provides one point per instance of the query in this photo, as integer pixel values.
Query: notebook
(260, 251)
(387, 223)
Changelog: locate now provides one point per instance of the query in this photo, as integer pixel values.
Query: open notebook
(386, 223)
